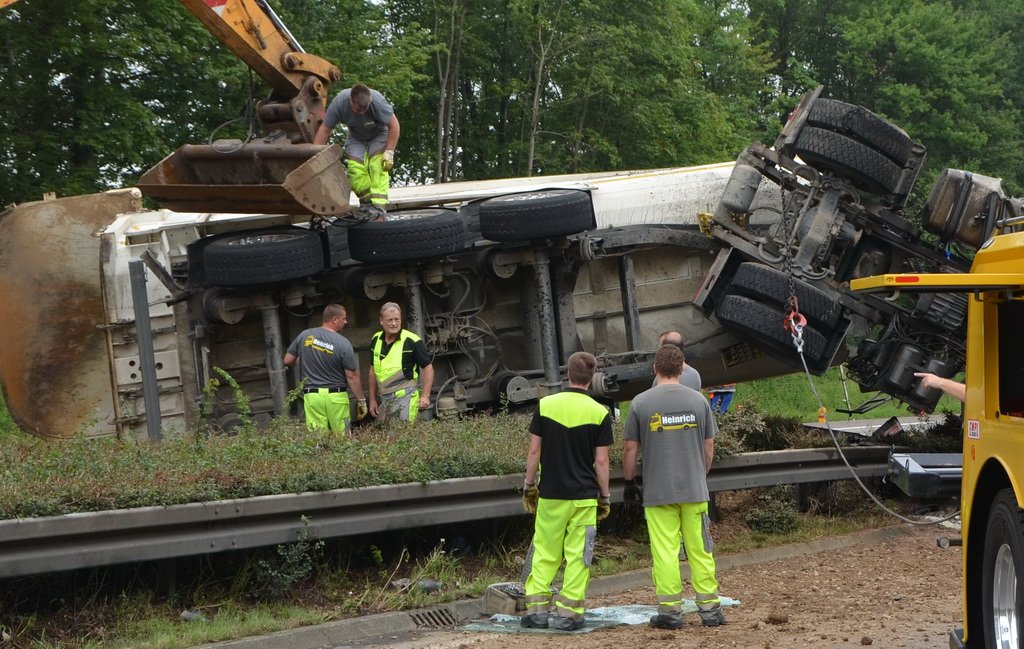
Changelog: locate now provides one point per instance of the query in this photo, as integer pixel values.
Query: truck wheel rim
(1005, 620)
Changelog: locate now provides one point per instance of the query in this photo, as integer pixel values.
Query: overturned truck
(503, 279)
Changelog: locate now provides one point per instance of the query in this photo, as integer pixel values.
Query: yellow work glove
(361, 409)
(530, 496)
(604, 507)
(389, 159)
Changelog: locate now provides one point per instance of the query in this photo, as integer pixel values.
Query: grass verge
(791, 397)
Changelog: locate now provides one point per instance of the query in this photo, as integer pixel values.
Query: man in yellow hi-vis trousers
(399, 360)
(569, 437)
(674, 426)
(373, 131)
(327, 364)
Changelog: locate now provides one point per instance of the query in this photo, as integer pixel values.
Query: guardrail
(56, 543)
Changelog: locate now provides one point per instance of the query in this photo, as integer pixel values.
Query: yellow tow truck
(992, 488)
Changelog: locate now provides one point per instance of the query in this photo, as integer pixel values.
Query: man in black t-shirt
(569, 436)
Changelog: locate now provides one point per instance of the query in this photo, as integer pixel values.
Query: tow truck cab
(992, 489)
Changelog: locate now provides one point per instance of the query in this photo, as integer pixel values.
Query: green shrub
(272, 577)
(944, 437)
(746, 428)
(45, 478)
(775, 512)
(838, 498)
(735, 426)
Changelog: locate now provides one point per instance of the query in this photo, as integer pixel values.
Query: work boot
(361, 214)
(714, 617)
(534, 621)
(367, 212)
(671, 621)
(563, 623)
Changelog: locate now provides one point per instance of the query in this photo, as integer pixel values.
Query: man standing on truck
(569, 436)
(399, 359)
(327, 365)
(674, 426)
(373, 132)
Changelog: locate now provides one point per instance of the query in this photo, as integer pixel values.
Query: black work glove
(530, 497)
(604, 507)
(634, 491)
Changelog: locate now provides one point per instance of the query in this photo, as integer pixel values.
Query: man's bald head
(673, 338)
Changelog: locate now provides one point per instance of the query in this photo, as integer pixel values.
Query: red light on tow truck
(907, 279)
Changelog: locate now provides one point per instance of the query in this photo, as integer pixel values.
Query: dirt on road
(899, 592)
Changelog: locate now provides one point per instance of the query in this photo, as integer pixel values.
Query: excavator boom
(283, 171)
(255, 34)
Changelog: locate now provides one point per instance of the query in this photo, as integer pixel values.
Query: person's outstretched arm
(953, 388)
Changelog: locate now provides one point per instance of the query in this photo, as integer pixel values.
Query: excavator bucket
(232, 177)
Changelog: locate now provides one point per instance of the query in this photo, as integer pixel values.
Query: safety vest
(397, 370)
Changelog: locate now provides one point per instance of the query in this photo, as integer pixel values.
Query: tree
(938, 69)
(99, 91)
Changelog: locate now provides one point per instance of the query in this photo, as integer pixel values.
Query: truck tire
(265, 256)
(337, 244)
(762, 323)
(1002, 592)
(765, 284)
(861, 124)
(407, 235)
(536, 215)
(865, 167)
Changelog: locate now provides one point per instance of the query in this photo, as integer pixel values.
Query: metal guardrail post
(144, 339)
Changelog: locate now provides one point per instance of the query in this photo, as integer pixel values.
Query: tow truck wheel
(763, 323)
(1003, 577)
(265, 256)
(408, 235)
(865, 167)
(536, 215)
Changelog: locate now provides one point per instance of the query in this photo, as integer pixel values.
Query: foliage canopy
(98, 92)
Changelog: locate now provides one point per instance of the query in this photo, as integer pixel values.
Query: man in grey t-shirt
(327, 365)
(689, 377)
(373, 131)
(675, 429)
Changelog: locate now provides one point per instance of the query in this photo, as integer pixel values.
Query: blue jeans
(720, 402)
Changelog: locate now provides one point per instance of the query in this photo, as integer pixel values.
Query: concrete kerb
(384, 625)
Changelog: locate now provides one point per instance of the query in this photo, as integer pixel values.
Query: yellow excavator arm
(255, 34)
(283, 172)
